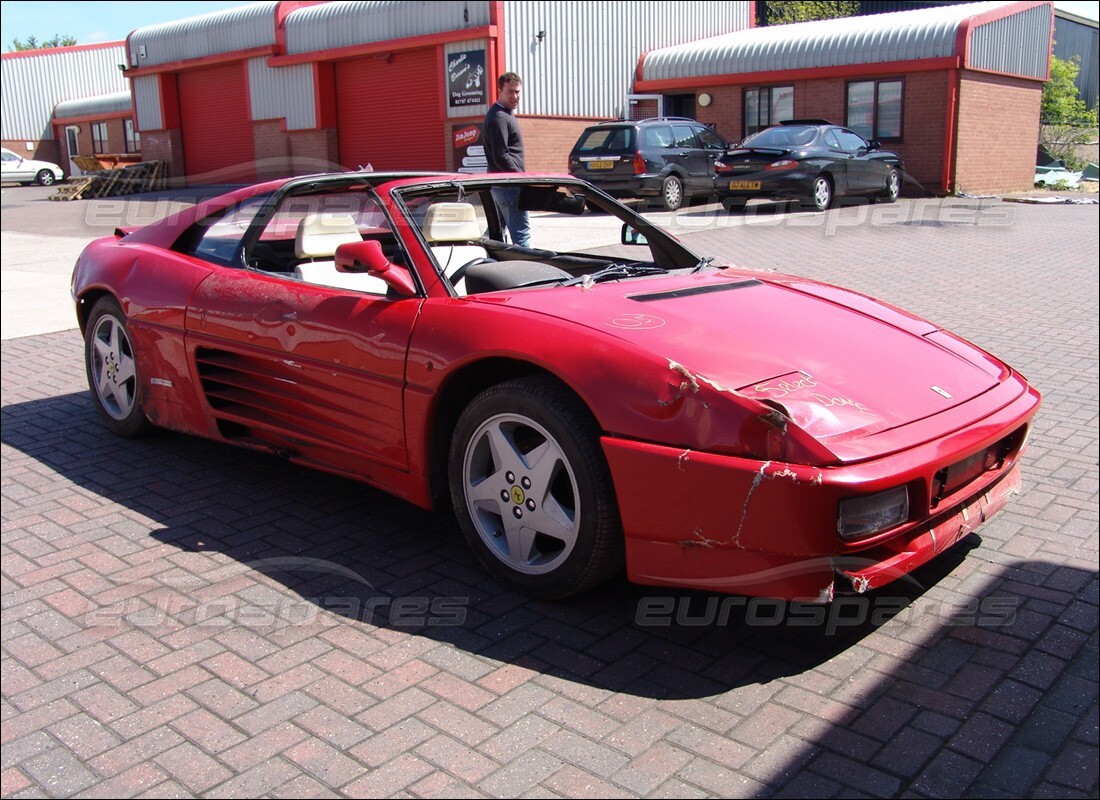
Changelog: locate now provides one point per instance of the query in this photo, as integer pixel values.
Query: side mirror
(360, 257)
(631, 235)
(874, 144)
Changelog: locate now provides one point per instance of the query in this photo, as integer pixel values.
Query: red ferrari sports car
(607, 399)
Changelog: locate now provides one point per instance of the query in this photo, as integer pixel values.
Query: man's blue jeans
(517, 222)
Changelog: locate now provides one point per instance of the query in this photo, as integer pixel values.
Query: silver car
(17, 169)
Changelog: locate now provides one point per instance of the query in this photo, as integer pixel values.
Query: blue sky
(93, 22)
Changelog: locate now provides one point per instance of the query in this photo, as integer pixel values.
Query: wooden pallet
(147, 176)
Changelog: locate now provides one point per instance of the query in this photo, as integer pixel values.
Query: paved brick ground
(184, 619)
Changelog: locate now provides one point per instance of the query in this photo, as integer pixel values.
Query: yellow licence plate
(744, 185)
(601, 164)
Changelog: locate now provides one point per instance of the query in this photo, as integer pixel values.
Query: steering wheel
(459, 273)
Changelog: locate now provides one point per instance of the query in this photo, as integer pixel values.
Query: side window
(218, 238)
(684, 136)
(832, 141)
(710, 139)
(657, 136)
(850, 142)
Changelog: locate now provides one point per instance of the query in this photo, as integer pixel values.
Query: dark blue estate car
(812, 161)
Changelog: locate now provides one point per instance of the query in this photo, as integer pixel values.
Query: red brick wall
(42, 151)
(998, 133)
(548, 140)
(167, 146)
(281, 153)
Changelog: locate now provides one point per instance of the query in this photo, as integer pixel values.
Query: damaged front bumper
(720, 523)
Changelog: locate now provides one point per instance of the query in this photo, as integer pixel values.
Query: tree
(782, 12)
(31, 43)
(1065, 119)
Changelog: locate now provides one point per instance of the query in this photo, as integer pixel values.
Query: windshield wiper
(704, 262)
(613, 271)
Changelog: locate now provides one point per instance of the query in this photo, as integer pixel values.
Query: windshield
(575, 234)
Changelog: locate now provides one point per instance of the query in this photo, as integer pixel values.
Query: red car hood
(841, 365)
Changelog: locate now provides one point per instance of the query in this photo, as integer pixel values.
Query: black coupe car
(812, 161)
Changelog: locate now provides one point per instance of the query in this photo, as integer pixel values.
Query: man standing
(504, 152)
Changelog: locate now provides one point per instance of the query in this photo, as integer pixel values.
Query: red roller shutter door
(216, 125)
(389, 112)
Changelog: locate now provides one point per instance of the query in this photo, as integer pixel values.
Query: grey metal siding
(898, 36)
(1018, 44)
(1072, 38)
(147, 103)
(282, 93)
(345, 24)
(32, 85)
(228, 31)
(103, 105)
(584, 64)
(1015, 44)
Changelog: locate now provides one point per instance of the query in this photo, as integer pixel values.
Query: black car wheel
(823, 193)
(672, 193)
(45, 177)
(734, 203)
(111, 365)
(893, 186)
(532, 491)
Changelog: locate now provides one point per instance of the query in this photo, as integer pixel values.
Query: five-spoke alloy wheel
(112, 370)
(532, 490)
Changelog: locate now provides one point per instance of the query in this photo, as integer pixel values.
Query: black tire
(111, 366)
(822, 196)
(893, 186)
(732, 204)
(45, 178)
(672, 193)
(532, 491)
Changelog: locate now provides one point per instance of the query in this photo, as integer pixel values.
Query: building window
(133, 138)
(874, 109)
(99, 137)
(766, 106)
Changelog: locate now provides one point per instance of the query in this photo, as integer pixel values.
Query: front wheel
(112, 370)
(672, 193)
(893, 186)
(532, 490)
(45, 178)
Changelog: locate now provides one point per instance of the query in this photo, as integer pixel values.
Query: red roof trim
(745, 78)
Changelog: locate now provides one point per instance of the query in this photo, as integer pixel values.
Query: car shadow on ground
(344, 548)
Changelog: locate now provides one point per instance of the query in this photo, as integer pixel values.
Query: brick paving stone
(194, 769)
(144, 652)
(390, 778)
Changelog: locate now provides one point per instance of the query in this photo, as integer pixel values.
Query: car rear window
(606, 140)
(788, 136)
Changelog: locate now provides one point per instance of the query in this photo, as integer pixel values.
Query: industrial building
(279, 88)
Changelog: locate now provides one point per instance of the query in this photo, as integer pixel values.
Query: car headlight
(859, 517)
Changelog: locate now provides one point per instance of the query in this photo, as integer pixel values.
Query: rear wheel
(111, 366)
(672, 193)
(532, 491)
(822, 193)
(45, 177)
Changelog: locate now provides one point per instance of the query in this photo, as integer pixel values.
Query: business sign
(466, 79)
(468, 151)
